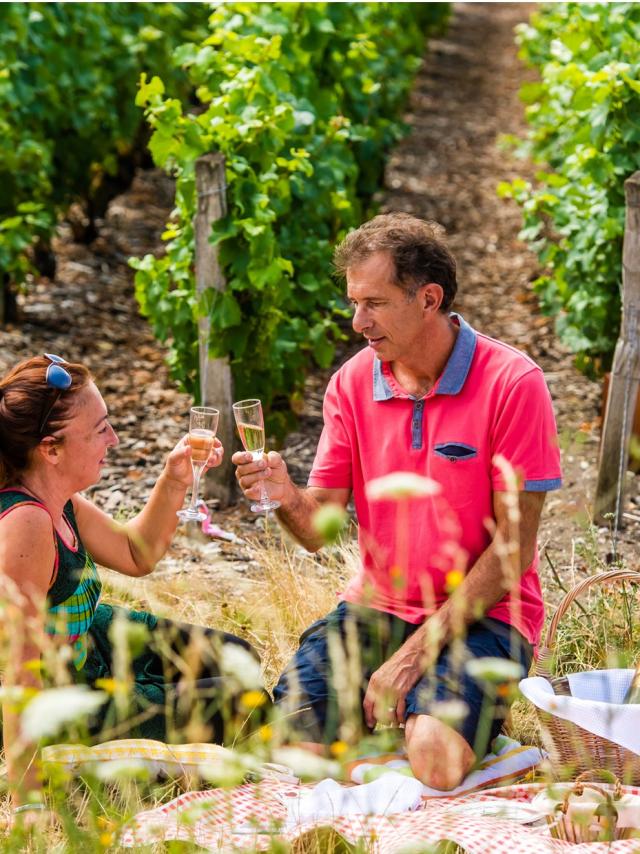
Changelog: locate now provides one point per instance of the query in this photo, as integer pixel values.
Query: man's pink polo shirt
(490, 400)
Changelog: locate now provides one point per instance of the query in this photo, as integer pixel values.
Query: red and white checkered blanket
(251, 815)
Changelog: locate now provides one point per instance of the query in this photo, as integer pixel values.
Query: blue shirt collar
(455, 372)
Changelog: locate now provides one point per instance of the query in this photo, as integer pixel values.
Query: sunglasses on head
(58, 378)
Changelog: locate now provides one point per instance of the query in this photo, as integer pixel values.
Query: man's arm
(500, 567)
(497, 571)
(297, 506)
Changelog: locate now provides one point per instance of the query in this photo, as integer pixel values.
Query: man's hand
(297, 506)
(385, 700)
(271, 470)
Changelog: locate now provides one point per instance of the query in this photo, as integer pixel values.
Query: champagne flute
(203, 423)
(250, 424)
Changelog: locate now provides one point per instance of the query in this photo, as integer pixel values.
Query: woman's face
(87, 438)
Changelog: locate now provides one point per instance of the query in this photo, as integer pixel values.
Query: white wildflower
(495, 670)
(329, 521)
(225, 771)
(120, 770)
(238, 662)
(13, 694)
(306, 765)
(450, 712)
(51, 710)
(400, 485)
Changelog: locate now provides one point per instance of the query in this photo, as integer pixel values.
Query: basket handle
(601, 774)
(545, 654)
(583, 781)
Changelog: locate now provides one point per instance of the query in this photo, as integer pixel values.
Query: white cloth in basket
(595, 705)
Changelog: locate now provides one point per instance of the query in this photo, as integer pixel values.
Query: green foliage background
(68, 80)
(585, 127)
(303, 100)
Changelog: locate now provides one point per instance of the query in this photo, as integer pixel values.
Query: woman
(54, 439)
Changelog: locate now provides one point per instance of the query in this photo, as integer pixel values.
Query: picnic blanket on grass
(253, 814)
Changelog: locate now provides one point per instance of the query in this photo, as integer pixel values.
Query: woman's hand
(135, 547)
(178, 464)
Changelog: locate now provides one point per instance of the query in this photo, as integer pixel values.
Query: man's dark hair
(416, 246)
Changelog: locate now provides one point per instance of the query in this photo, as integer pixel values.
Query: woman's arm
(27, 557)
(134, 547)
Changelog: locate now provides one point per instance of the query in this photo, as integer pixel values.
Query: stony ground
(446, 169)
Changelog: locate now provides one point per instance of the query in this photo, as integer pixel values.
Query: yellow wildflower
(252, 699)
(338, 748)
(265, 732)
(108, 685)
(453, 579)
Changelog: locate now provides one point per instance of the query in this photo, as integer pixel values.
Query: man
(431, 396)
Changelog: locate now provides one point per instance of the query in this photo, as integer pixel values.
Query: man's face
(392, 323)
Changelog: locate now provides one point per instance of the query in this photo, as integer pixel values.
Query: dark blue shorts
(322, 688)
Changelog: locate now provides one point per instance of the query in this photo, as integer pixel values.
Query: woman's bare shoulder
(30, 513)
(27, 543)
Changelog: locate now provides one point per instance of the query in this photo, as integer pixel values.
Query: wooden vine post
(216, 386)
(625, 376)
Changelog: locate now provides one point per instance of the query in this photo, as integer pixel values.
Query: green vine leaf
(303, 101)
(584, 117)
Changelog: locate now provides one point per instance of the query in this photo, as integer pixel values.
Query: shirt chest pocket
(456, 467)
(455, 451)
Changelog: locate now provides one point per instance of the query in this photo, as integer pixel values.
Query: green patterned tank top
(74, 589)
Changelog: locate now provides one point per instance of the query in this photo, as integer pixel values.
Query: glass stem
(195, 488)
(264, 496)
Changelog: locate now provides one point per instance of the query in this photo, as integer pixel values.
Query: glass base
(189, 515)
(264, 507)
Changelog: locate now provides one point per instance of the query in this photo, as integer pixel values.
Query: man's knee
(439, 756)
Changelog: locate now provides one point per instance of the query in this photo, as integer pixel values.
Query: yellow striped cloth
(170, 758)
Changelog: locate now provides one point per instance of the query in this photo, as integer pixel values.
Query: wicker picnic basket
(599, 822)
(570, 747)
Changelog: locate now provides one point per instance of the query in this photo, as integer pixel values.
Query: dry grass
(523, 724)
(270, 609)
(601, 630)
(291, 589)
(284, 591)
